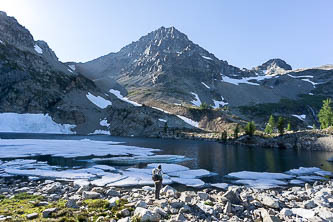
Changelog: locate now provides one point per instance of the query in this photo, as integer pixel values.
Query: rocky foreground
(49, 200)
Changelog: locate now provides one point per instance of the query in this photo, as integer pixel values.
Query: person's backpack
(155, 177)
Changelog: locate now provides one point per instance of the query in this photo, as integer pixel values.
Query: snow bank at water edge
(32, 123)
(99, 101)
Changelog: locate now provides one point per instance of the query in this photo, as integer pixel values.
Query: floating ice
(38, 49)
(197, 101)
(304, 171)
(104, 167)
(296, 182)
(189, 182)
(142, 159)
(169, 167)
(11, 148)
(205, 85)
(125, 99)
(107, 179)
(191, 174)
(223, 186)
(300, 117)
(310, 178)
(262, 183)
(259, 175)
(32, 123)
(99, 101)
(65, 174)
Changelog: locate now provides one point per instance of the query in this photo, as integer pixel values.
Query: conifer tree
(280, 125)
(326, 114)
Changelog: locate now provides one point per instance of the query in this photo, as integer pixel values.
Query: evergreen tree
(314, 126)
(289, 127)
(326, 114)
(236, 131)
(280, 125)
(250, 128)
(204, 106)
(270, 125)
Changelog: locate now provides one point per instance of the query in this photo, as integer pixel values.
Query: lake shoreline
(236, 203)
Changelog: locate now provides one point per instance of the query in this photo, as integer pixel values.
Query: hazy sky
(246, 33)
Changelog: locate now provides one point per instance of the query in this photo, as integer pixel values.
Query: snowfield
(99, 101)
(32, 123)
(125, 99)
(196, 101)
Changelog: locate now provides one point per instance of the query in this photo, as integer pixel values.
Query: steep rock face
(273, 66)
(33, 80)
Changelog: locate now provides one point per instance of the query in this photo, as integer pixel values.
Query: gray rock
(112, 192)
(126, 219)
(270, 201)
(203, 196)
(48, 212)
(72, 201)
(146, 215)
(90, 195)
(141, 204)
(180, 217)
(325, 213)
(309, 204)
(185, 197)
(286, 212)
(32, 216)
(125, 213)
(232, 196)
(160, 211)
(52, 188)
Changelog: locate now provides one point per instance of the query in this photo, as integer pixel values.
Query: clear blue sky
(246, 33)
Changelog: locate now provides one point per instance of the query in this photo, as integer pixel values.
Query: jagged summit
(274, 66)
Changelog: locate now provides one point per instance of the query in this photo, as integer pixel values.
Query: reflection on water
(212, 156)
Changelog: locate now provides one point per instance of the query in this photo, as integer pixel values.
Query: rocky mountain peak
(13, 33)
(274, 66)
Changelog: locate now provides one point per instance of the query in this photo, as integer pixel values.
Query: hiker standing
(157, 178)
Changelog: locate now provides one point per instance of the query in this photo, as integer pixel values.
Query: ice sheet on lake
(189, 182)
(310, 178)
(168, 167)
(262, 183)
(196, 101)
(104, 167)
(32, 123)
(223, 186)
(142, 159)
(11, 148)
(107, 179)
(191, 174)
(296, 182)
(259, 175)
(125, 99)
(99, 101)
(65, 174)
(304, 171)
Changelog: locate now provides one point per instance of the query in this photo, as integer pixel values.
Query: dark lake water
(216, 157)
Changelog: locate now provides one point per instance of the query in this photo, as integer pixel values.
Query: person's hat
(159, 166)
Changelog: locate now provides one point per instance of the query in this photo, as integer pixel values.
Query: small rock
(286, 212)
(270, 201)
(126, 219)
(180, 217)
(160, 211)
(32, 216)
(113, 201)
(90, 195)
(47, 213)
(125, 213)
(141, 203)
(203, 196)
(112, 192)
(146, 215)
(232, 196)
(42, 203)
(309, 204)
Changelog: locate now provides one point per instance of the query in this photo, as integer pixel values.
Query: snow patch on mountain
(246, 80)
(206, 57)
(72, 67)
(205, 85)
(218, 104)
(125, 99)
(197, 101)
(38, 49)
(99, 101)
(300, 117)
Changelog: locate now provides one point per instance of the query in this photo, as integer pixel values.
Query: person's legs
(158, 189)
